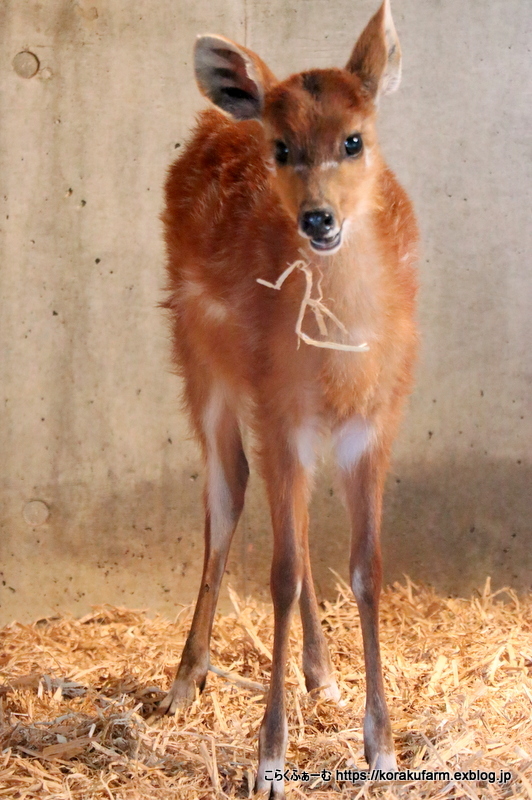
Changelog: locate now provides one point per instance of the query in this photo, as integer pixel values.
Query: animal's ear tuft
(376, 58)
(231, 77)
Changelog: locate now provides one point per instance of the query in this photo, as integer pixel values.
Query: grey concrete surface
(91, 426)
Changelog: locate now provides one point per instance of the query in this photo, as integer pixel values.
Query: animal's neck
(351, 280)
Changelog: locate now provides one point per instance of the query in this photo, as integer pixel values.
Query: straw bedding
(77, 695)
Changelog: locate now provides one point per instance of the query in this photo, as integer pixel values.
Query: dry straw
(318, 307)
(76, 695)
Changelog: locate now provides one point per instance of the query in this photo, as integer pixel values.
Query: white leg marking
(268, 767)
(332, 692)
(266, 776)
(305, 440)
(357, 584)
(386, 761)
(352, 439)
(386, 757)
(218, 494)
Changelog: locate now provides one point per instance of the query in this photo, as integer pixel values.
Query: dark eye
(281, 152)
(353, 144)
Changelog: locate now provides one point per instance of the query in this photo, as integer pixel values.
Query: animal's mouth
(327, 244)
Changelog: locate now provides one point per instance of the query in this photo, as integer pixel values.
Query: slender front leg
(227, 474)
(364, 470)
(288, 495)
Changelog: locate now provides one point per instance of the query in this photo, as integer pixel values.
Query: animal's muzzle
(318, 224)
(321, 227)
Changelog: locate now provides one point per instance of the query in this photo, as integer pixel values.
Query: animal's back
(224, 228)
(217, 196)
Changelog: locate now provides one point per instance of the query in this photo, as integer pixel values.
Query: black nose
(318, 223)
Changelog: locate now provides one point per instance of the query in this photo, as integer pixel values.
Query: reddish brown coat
(245, 200)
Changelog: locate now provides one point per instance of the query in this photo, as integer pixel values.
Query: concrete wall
(90, 423)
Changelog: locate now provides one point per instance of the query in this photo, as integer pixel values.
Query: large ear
(376, 58)
(232, 77)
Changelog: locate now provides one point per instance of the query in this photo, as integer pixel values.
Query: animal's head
(320, 124)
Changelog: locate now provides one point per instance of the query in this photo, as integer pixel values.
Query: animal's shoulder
(222, 155)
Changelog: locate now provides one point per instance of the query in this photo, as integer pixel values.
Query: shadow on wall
(450, 525)
(136, 547)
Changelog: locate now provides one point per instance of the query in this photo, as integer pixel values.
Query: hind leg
(317, 666)
(226, 478)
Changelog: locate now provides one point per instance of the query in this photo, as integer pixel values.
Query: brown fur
(231, 218)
